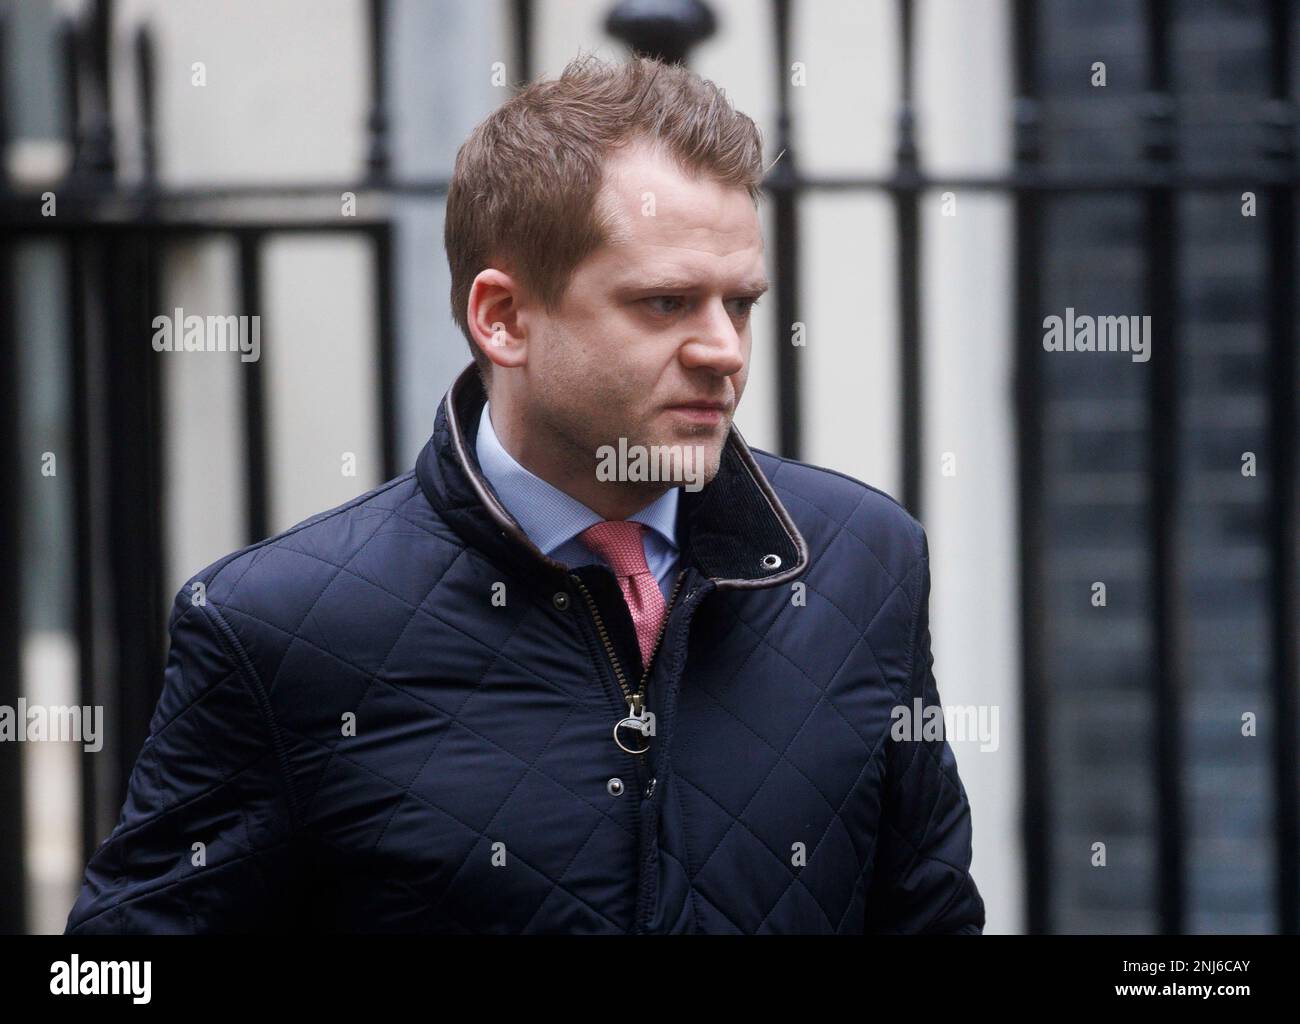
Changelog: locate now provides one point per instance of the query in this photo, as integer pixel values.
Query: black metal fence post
(907, 215)
(1164, 471)
(134, 485)
(783, 183)
(523, 37)
(667, 30)
(1281, 213)
(378, 162)
(1036, 765)
(385, 315)
(98, 139)
(252, 376)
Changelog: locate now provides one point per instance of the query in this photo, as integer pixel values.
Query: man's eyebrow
(757, 285)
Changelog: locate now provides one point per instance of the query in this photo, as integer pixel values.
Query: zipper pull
(640, 719)
(637, 711)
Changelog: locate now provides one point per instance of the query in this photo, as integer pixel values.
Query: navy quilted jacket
(400, 716)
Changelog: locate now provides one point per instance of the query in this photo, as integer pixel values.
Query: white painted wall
(284, 99)
(441, 85)
(203, 448)
(963, 108)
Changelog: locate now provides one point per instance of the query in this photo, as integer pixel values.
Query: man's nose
(716, 342)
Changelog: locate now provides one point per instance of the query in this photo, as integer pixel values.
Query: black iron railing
(114, 238)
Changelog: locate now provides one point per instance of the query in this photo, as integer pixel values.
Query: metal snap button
(561, 600)
(771, 561)
(650, 789)
(615, 787)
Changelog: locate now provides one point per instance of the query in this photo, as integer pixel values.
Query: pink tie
(618, 541)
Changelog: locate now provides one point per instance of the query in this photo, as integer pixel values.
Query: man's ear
(493, 316)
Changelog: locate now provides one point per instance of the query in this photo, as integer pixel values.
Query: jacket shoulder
(833, 510)
(367, 554)
(843, 499)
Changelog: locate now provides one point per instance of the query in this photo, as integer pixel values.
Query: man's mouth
(700, 411)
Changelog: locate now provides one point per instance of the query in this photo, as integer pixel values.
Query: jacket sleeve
(204, 840)
(922, 881)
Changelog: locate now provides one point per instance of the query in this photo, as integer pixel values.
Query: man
(534, 686)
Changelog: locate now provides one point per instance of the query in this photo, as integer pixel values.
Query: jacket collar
(734, 530)
(553, 519)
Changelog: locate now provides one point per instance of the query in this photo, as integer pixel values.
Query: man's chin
(680, 458)
(700, 456)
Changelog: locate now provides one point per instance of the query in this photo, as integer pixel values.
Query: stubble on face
(586, 409)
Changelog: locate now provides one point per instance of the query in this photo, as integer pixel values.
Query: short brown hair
(523, 195)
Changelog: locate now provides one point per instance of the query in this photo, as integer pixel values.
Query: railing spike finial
(664, 29)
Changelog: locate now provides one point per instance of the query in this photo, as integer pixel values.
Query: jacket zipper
(635, 701)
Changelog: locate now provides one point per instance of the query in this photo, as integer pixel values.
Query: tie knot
(618, 541)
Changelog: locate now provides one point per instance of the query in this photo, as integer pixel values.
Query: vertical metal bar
(377, 159)
(382, 240)
(70, 55)
(79, 369)
(783, 180)
(100, 148)
(13, 917)
(907, 207)
(1035, 695)
(151, 242)
(384, 320)
(75, 263)
(1281, 213)
(134, 489)
(254, 394)
(523, 26)
(1163, 422)
(144, 64)
(84, 610)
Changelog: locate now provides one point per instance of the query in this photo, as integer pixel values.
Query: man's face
(654, 321)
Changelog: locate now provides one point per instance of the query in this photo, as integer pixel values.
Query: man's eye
(747, 306)
(662, 298)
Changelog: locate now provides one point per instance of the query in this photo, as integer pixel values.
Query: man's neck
(575, 475)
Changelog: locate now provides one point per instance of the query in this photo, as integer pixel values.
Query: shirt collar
(549, 516)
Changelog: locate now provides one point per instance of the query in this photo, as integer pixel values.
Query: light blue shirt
(553, 519)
